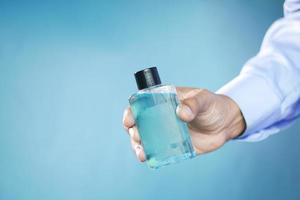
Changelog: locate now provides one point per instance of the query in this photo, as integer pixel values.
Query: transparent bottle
(165, 138)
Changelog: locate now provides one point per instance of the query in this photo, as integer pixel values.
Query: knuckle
(203, 92)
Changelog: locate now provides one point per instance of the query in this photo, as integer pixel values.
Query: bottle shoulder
(155, 89)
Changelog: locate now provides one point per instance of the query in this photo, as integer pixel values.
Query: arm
(268, 88)
(267, 92)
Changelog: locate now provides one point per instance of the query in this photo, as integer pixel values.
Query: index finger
(128, 120)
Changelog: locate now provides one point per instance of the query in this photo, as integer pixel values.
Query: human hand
(213, 119)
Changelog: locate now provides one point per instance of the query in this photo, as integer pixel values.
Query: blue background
(66, 71)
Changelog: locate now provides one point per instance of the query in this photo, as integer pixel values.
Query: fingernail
(131, 132)
(138, 150)
(185, 109)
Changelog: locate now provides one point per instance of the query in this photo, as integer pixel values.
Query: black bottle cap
(147, 78)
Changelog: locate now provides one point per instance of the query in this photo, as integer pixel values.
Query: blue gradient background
(66, 71)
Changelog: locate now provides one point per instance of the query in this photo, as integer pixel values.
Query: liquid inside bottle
(165, 138)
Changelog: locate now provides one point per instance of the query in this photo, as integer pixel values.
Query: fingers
(134, 134)
(136, 143)
(128, 120)
(129, 125)
(138, 149)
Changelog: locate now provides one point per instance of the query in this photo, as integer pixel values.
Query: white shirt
(267, 89)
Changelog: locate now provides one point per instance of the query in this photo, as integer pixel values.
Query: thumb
(185, 113)
(190, 107)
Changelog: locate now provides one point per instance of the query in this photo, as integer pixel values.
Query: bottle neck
(151, 87)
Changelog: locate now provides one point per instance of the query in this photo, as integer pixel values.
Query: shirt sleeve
(267, 89)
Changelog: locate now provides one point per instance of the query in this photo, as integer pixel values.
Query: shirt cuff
(258, 103)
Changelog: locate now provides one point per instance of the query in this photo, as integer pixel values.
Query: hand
(212, 119)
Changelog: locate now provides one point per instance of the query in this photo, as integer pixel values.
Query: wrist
(235, 123)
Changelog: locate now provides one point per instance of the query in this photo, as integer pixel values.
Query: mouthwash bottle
(165, 138)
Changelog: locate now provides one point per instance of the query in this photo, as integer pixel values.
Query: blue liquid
(164, 136)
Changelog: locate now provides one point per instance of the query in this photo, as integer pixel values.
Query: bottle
(165, 138)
